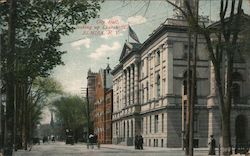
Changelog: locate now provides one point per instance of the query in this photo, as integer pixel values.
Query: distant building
(103, 105)
(91, 85)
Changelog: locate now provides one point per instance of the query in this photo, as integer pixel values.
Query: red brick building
(91, 85)
(108, 112)
(103, 106)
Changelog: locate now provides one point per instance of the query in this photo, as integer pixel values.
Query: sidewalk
(199, 151)
(146, 148)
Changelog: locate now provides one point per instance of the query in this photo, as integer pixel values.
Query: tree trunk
(226, 139)
(8, 141)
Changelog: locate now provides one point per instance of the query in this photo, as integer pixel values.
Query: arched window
(142, 93)
(235, 93)
(158, 57)
(158, 86)
(185, 87)
(185, 81)
(236, 88)
(117, 101)
(147, 94)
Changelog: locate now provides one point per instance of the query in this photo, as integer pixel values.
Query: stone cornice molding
(169, 43)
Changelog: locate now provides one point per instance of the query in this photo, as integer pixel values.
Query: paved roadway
(60, 149)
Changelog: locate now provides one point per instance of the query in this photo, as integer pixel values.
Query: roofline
(213, 25)
(159, 32)
(116, 68)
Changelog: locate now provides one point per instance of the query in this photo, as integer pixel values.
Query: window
(156, 142)
(185, 87)
(158, 57)
(158, 85)
(163, 86)
(142, 123)
(186, 50)
(132, 128)
(196, 125)
(142, 94)
(147, 65)
(185, 81)
(236, 89)
(147, 91)
(150, 123)
(162, 123)
(156, 123)
(146, 125)
(116, 129)
(236, 93)
(117, 101)
(151, 90)
(142, 69)
(124, 129)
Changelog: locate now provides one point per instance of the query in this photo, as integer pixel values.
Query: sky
(89, 46)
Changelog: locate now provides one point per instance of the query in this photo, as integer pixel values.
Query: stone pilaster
(124, 89)
(131, 84)
(161, 71)
(213, 113)
(212, 96)
(136, 84)
(127, 87)
(169, 67)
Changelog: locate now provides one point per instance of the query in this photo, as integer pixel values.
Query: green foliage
(71, 111)
(42, 89)
(47, 86)
(39, 27)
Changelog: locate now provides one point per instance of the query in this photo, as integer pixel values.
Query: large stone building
(149, 89)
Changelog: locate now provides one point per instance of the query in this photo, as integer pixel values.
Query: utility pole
(193, 87)
(87, 98)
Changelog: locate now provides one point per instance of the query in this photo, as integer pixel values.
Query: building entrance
(240, 129)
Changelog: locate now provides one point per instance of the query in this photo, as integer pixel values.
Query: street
(60, 149)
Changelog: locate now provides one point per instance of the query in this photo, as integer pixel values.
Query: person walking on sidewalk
(212, 145)
(136, 142)
(140, 141)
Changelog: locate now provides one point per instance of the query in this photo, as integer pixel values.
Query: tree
(31, 34)
(40, 25)
(29, 113)
(221, 54)
(71, 111)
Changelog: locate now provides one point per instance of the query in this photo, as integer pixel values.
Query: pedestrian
(136, 142)
(212, 145)
(140, 141)
(53, 139)
(91, 140)
(44, 139)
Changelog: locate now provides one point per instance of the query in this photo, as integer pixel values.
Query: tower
(181, 3)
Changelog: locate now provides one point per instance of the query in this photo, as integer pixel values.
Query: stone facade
(149, 87)
(126, 108)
